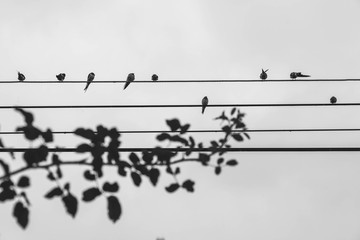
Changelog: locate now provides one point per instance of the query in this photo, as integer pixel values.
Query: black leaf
(90, 194)
(7, 194)
(29, 118)
(47, 136)
(55, 192)
(71, 204)
(233, 111)
(217, 170)
(237, 137)
(136, 178)
(114, 208)
(174, 124)
(55, 159)
(67, 186)
(58, 172)
(34, 156)
(188, 185)
(177, 138)
(147, 156)
(177, 170)
(184, 129)
(214, 144)
(107, 187)
(154, 174)
(220, 161)
(204, 158)
(51, 176)
(247, 135)
(89, 175)
(21, 213)
(200, 145)
(169, 170)
(134, 158)
(172, 187)
(30, 132)
(226, 129)
(121, 171)
(192, 142)
(239, 125)
(82, 148)
(163, 136)
(85, 133)
(232, 162)
(23, 182)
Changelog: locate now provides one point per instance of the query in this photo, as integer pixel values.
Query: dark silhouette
(263, 74)
(333, 100)
(130, 78)
(90, 78)
(101, 147)
(295, 75)
(21, 77)
(61, 77)
(204, 103)
(154, 77)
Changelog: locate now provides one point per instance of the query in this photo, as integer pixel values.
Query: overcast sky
(268, 195)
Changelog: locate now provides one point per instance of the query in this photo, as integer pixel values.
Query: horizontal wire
(210, 131)
(190, 81)
(186, 105)
(274, 149)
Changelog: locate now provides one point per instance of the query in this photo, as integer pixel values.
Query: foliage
(103, 144)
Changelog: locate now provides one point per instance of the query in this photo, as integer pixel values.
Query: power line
(210, 131)
(183, 81)
(274, 149)
(186, 105)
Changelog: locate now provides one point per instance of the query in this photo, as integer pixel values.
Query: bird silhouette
(295, 75)
(61, 76)
(130, 78)
(21, 77)
(154, 77)
(263, 74)
(90, 78)
(204, 103)
(333, 100)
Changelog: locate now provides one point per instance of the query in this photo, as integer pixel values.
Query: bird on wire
(61, 77)
(333, 100)
(204, 103)
(21, 77)
(295, 75)
(263, 74)
(90, 78)
(154, 77)
(130, 78)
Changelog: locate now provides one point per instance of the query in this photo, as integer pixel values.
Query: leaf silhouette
(114, 208)
(82, 148)
(184, 129)
(90, 194)
(226, 129)
(217, 170)
(47, 136)
(136, 178)
(31, 133)
(233, 111)
(163, 136)
(28, 117)
(247, 135)
(23, 182)
(108, 187)
(134, 158)
(172, 187)
(188, 185)
(55, 192)
(7, 194)
(232, 162)
(147, 157)
(154, 174)
(71, 204)
(220, 161)
(237, 137)
(21, 213)
(89, 175)
(174, 124)
(177, 138)
(204, 158)
(85, 133)
(34, 156)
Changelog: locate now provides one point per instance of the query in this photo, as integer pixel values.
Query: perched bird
(90, 78)
(61, 76)
(130, 78)
(21, 77)
(204, 103)
(154, 77)
(294, 75)
(263, 74)
(333, 100)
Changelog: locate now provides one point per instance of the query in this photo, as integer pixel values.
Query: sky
(268, 195)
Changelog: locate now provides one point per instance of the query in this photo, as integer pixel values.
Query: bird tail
(203, 110)
(86, 87)
(303, 75)
(126, 85)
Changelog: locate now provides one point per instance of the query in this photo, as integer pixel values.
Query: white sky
(268, 195)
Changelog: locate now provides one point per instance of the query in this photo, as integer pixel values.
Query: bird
(333, 100)
(61, 76)
(90, 78)
(294, 75)
(130, 78)
(154, 77)
(204, 103)
(21, 77)
(263, 74)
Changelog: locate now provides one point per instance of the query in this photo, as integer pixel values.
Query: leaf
(221, 117)
(247, 135)
(90, 194)
(67, 186)
(188, 185)
(82, 148)
(184, 129)
(172, 187)
(58, 172)
(51, 176)
(136, 178)
(34, 156)
(134, 158)
(233, 111)
(232, 162)
(162, 137)
(55, 159)
(174, 124)
(30, 132)
(177, 138)
(7, 194)
(217, 170)
(107, 187)
(177, 170)
(237, 137)
(47, 136)
(23, 182)
(55, 192)
(85, 133)
(71, 204)
(214, 144)
(114, 208)
(147, 156)
(192, 142)
(154, 174)
(89, 175)
(5, 167)
(226, 129)
(204, 158)
(21, 213)
(220, 161)
(29, 118)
